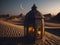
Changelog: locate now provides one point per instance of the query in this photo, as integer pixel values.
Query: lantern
(34, 24)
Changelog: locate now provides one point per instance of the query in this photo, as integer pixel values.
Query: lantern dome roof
(31, 15)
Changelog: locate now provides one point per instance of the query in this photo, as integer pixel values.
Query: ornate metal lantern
(34, 23)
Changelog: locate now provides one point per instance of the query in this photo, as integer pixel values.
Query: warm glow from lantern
(31, 29)
(38, 32)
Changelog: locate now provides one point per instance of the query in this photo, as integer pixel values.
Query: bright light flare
(31, 29)
(38, 32)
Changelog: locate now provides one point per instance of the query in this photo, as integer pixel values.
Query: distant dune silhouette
(56, 18)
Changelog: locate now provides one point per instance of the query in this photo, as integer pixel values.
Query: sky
(15, 7)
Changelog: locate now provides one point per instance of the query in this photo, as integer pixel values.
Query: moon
(21, 7)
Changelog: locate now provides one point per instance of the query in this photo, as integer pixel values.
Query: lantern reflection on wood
(34, 23)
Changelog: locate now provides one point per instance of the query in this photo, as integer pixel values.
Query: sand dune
(52, 24)
(11, 30)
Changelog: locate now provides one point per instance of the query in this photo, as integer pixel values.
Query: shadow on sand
(16, 41)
